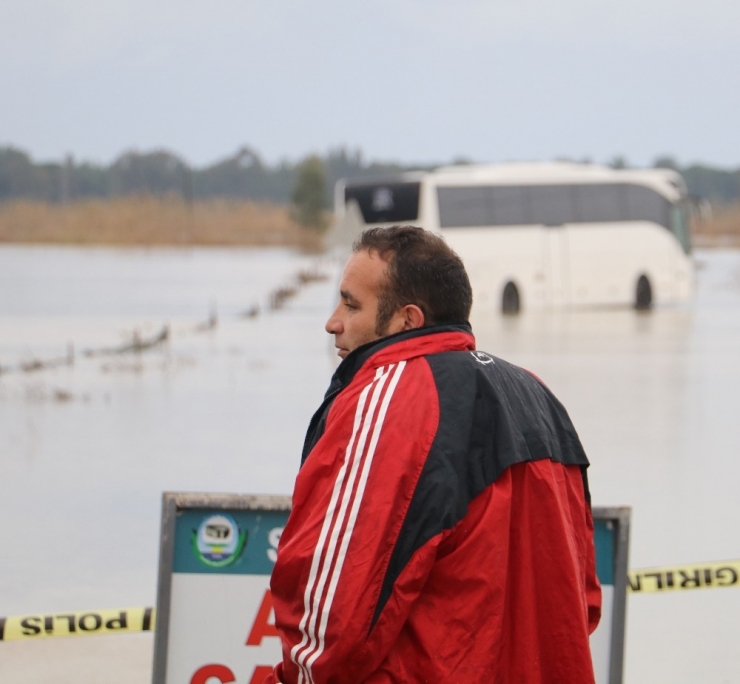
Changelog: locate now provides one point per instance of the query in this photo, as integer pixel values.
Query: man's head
(397, 279)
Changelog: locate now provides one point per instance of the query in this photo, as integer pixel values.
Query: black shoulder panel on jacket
(492, 416)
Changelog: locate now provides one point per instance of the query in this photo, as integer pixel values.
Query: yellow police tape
(117, 621)
(127, 620)
(680, 577)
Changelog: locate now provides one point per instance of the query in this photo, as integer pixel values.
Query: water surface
(87, 449)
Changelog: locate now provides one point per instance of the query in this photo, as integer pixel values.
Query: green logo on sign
(218, 542)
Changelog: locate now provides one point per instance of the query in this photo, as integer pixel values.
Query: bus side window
(463, 206)
(510, 205)
(552, 205)
(599, 202)
(644, 204)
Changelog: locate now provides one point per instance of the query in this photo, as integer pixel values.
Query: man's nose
(333, 325)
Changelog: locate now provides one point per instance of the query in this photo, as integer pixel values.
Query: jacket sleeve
(350, 500)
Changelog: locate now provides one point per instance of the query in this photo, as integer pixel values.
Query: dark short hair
(422, 270)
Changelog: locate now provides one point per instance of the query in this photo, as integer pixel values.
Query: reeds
(147, 220)
(720, 227)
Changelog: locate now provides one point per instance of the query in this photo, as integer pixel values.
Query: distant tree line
(245, 175)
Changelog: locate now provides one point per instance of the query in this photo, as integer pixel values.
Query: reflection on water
(89, 447)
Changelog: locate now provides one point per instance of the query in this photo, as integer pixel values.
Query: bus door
(555, 265)
(551, 207)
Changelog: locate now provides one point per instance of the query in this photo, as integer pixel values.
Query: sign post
(611, 536)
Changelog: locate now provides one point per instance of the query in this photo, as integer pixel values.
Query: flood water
(87, 448)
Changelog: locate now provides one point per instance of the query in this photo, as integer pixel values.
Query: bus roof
(555, 172)
(666, 181)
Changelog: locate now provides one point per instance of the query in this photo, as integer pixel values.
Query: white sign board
(214, 609)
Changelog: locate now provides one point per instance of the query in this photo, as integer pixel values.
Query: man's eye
(351, 307)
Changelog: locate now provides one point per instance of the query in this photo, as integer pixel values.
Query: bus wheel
(643, 294)
(510, 300)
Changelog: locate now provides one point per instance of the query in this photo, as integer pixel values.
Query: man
(441, 528)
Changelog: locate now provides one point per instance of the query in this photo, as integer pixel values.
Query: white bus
(544, 235)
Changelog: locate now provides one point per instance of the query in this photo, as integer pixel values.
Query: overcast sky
(405, 80)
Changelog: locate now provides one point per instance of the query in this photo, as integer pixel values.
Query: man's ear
(413, 317)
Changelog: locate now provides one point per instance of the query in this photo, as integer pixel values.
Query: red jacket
(441, 527)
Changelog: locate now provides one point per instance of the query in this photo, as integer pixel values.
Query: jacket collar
(403, 345)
